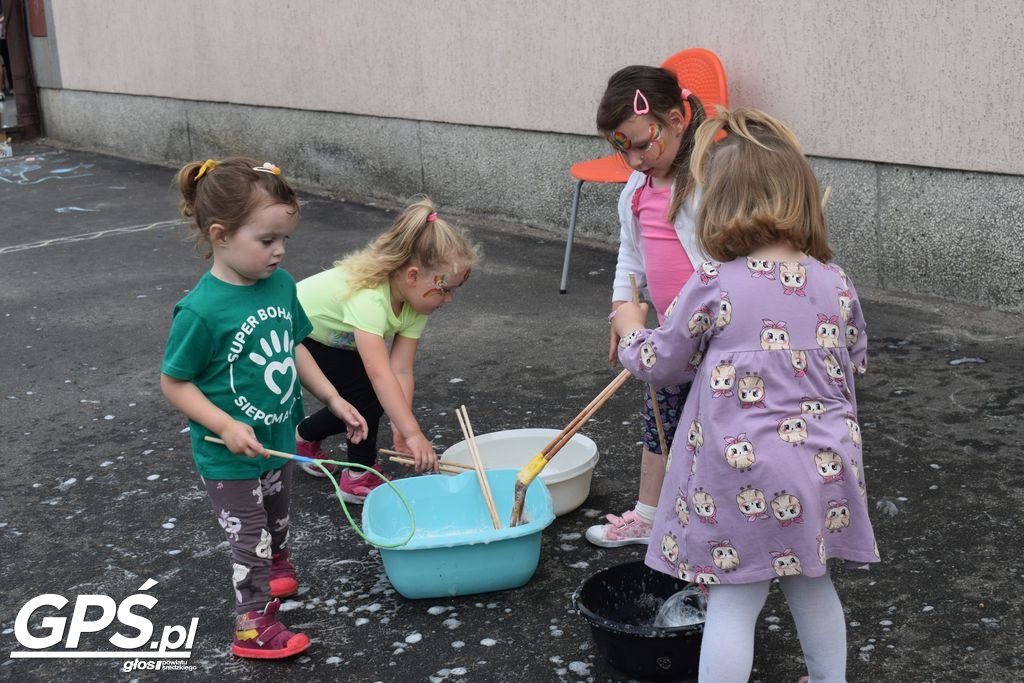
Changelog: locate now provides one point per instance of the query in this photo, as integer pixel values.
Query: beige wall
(924, 82)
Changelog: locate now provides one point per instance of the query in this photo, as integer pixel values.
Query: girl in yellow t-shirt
(384, 290)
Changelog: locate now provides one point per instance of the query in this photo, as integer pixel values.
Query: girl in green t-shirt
(384, 291)
(234, 358)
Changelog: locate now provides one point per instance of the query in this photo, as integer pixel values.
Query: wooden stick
(584, 417)
(654, 392)
(479, 461)
(600, 398)
(399, 454)
(411, 463)
(481, 475)
(452, 468)
(279, 454)
(825, 197)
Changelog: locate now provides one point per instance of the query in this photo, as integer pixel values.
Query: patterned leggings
(254, 515)
(670, 401)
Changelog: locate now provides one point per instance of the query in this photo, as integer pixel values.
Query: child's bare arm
(186, 397)
(402, 361)
(403, 357)
(313, 379)
(374, 353)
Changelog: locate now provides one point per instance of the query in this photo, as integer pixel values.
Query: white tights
(727, 650)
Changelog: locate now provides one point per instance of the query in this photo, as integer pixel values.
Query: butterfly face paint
(621, 142)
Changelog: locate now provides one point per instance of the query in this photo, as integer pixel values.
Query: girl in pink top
(643, 114)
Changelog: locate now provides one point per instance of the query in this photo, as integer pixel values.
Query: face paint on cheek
(656, 139)
(438, 288)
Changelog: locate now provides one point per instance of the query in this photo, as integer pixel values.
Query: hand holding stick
(654, 393)
(407, 459)
(408, 462)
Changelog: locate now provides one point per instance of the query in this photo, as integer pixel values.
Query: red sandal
(262, 636)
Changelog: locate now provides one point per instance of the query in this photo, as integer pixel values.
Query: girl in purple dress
(769, 479)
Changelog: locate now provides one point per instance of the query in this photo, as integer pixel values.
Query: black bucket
(620, 604)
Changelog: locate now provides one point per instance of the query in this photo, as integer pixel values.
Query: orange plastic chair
(697, 69)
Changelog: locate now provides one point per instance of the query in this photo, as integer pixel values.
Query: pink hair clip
(636, 103)
(432, 217)
(685, 93)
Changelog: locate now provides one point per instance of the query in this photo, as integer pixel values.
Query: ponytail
(186, 182)
(419, 237)
(684, 178)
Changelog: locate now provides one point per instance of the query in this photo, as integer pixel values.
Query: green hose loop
(337, 490)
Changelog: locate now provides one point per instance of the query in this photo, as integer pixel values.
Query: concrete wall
(485, 105)
(924, 82)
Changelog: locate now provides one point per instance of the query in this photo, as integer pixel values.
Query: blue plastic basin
(456, 550)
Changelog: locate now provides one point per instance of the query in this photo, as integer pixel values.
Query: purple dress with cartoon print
(769, 480)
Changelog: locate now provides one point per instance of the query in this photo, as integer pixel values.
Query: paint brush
(533, 468)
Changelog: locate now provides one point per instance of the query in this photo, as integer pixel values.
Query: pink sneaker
(259, 635)
(625, 530)
(355, 489)
(312, 449)
(282, 576)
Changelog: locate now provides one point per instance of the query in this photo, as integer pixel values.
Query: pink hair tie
(432, 217)
(685, 93)
(637, 97)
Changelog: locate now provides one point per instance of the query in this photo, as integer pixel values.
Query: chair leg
(569, 237)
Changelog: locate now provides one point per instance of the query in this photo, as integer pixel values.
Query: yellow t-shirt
(335, 315)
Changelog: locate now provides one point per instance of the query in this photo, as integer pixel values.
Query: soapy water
(685, 608)
(688, 607)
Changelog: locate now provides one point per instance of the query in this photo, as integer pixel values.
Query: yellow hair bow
(207, 166)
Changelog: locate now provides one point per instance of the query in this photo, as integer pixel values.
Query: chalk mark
(18, 173)
(90, 236)
(69, 209)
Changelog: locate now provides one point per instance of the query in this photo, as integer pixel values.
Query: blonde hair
(227, 192)
(757, 188)
(412, 239)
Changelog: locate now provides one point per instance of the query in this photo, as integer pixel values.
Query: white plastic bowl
(567, 476)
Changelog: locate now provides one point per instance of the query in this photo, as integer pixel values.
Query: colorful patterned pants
(254, 515)
(670, 402)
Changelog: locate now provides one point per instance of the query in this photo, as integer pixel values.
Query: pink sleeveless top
(667, 263)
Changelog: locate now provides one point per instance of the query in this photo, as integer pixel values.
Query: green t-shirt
(335, 314)
(237, 345)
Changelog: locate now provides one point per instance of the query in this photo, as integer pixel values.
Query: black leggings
(344, 369)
